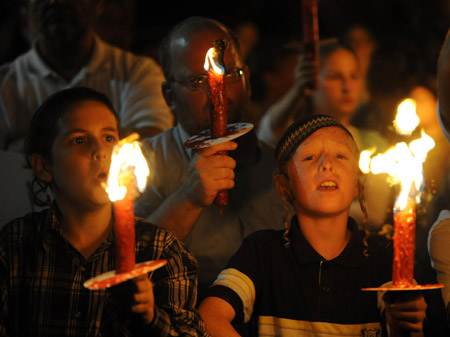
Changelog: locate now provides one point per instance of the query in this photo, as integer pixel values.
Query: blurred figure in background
(66, 52)
(272, 62)
(338, 94)
(360, 38)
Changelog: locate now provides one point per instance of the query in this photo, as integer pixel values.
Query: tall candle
(124, 229)
(214, 64)
(404, 246)
(128, 174)
(311, 34)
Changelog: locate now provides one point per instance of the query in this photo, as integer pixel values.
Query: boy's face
(81, 154)
(323, 173)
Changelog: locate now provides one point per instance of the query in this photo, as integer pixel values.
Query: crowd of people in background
(143, 68)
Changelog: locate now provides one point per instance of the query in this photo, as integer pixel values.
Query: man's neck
(66, 60)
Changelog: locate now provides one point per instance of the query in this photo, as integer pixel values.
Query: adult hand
(209, 173)
(406, 315)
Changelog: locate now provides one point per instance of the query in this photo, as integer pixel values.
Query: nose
(325, 163)
(99, 152)
(345, 85)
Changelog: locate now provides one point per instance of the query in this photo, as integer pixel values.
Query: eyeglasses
(200, 82)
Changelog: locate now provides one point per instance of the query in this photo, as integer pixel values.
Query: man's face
(63, 21)
(192, 107)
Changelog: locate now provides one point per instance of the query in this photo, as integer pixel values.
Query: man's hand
(208, 173)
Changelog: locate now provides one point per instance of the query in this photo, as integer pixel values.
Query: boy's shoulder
(29, 226)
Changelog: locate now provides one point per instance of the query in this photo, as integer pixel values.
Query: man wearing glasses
(185, 182)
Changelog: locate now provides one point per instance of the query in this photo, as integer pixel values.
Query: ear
(41, 168)
(169, 95)
(283, 187)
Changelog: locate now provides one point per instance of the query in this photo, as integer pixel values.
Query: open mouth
(328, 185)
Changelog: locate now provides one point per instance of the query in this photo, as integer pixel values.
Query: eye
(308, 158)
(79, 140)
(234, 75)
(110, 138)
(197, 82)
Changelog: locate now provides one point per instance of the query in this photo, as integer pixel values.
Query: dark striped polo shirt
(288, 291)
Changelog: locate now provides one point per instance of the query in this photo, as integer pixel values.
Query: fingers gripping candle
(215, 66)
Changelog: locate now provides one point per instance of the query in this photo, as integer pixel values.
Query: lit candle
(128, 172)
(403, 164)
(215, 67)
(404, 246)
(311, 34)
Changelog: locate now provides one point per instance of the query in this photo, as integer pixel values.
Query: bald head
(188, 34)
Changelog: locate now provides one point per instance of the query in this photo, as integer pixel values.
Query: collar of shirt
(351, 256)
(96, 63)
(182, 135)
(51, 227)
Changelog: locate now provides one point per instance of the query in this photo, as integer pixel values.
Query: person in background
(439, 234)
(338, 94)
(272, 62)
(361, 39)
(185, 183)
(45, 257)
(66, 52)
(307, 279)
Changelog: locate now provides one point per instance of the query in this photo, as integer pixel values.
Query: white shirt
(132, 83)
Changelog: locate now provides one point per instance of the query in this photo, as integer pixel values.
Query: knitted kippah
(299, 131)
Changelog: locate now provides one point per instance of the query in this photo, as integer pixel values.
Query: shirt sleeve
(143, 103)
(438, 248)
(264, 130)
(175, 289)
(240, 281)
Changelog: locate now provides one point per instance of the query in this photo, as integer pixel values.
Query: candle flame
(406, 120)
(127, 162)
(212, 61)
(403, 164)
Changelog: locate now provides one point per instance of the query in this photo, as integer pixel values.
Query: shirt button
(78, 314)
(326, 289)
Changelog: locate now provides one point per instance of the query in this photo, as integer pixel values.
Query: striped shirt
(294, 291)
(42, 276)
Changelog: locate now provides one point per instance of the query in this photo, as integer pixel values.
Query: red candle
(124, 229)
(219, 102)
(127, 174)
(311, 34)
(404, 246)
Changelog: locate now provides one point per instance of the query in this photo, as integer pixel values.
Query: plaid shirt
(42, 275)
